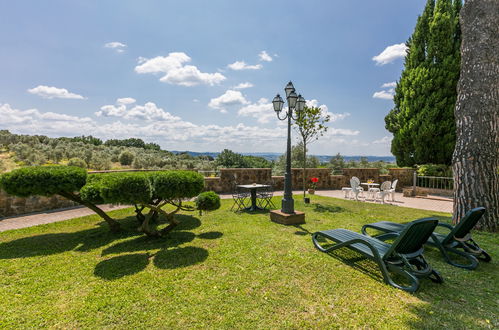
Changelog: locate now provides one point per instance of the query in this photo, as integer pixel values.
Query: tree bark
(476, 156)
(114, 226)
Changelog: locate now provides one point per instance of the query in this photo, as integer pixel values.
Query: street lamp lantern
(292, 98)
(295, 103)
(289, 88)
(300, 105)
(277, 102)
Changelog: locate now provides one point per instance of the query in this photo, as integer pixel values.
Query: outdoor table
(253, 188)
(369, 185)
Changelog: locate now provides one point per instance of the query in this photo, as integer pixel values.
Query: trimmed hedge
(142, 187)
(43, 180)
(208, 201)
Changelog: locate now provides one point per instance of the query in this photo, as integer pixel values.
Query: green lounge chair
(404, 256)
(457, 241)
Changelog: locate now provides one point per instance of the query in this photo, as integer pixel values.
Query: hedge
(43, 180)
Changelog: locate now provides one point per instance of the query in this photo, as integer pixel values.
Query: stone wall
(11, 205)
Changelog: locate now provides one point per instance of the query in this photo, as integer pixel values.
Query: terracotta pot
(311, 191)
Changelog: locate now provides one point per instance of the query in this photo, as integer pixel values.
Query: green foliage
(78, 162)
(435, 170)
(422, 120)
(43, 180)
(337, 163)
(176, 184)
(230, 159)
(126, 158)
(208, 201)
(125, 188)
(256, 162)
(297, 157)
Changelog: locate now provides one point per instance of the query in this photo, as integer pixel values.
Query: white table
(369, 186)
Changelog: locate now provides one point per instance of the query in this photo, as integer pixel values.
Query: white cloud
(148, 111)
(170, 134)
(125, 100)
(243, 85)
(176, 72)
(229, 98)
(264, 56)
(389, 84)
(390, 54)
(383, 140)
(341, 132)
(117, 46)
(241, 65)
(325, 111)
(48, 92)
(262, 110)
(385, 95)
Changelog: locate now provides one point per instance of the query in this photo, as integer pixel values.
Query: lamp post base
(287, 219)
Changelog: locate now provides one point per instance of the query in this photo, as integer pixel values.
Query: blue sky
(200, 75)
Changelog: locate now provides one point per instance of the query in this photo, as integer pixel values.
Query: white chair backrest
(386, 185)
(394, 184)
(353, 183)
(356, 180)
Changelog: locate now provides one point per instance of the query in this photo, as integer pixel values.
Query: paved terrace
(431, 203)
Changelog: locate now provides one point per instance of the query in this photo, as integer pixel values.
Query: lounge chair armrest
(384, 237)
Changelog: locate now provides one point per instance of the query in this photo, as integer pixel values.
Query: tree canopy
(422, 121)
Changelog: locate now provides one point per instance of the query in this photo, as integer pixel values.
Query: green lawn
(228, 270)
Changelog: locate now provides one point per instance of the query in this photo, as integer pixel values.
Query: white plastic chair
(356, 188)
(392, 189)
(384, 190)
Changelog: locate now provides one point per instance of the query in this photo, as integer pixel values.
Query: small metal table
(369, 186)
(253, 188)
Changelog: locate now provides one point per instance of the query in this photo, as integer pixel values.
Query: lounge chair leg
(484, 256)
(471, 265)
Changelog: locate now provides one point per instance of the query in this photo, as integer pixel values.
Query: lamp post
(296, 103)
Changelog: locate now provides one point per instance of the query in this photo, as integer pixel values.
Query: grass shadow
(328, 208)
(210, 235)
(120, 266)
(55, 243)
(302, 231)
(180, 257)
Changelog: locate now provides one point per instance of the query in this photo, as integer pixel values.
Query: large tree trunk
(476, 157)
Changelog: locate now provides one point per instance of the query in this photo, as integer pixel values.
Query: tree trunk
(304, 168)
(476, 156)
(114, 226)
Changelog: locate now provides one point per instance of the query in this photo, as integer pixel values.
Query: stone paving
(431, 203)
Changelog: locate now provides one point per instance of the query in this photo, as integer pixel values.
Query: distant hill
(275, 156)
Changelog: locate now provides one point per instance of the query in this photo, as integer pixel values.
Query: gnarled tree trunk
(476, 156)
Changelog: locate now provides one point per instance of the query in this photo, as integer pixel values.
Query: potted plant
(313, 186)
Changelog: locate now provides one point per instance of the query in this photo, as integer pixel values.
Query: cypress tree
(422, 120)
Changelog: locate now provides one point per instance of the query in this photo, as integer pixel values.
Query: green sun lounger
(458, 241)
(403, 257)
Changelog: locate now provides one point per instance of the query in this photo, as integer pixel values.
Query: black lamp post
(297, 103)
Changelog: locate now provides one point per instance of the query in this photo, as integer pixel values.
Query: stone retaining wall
(11, 205)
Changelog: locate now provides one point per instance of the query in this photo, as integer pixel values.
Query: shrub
(125, 188)
(176, 184)
(78, 162)
(435, 170)
(43, 180)
(208, 201)
(126, 158)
